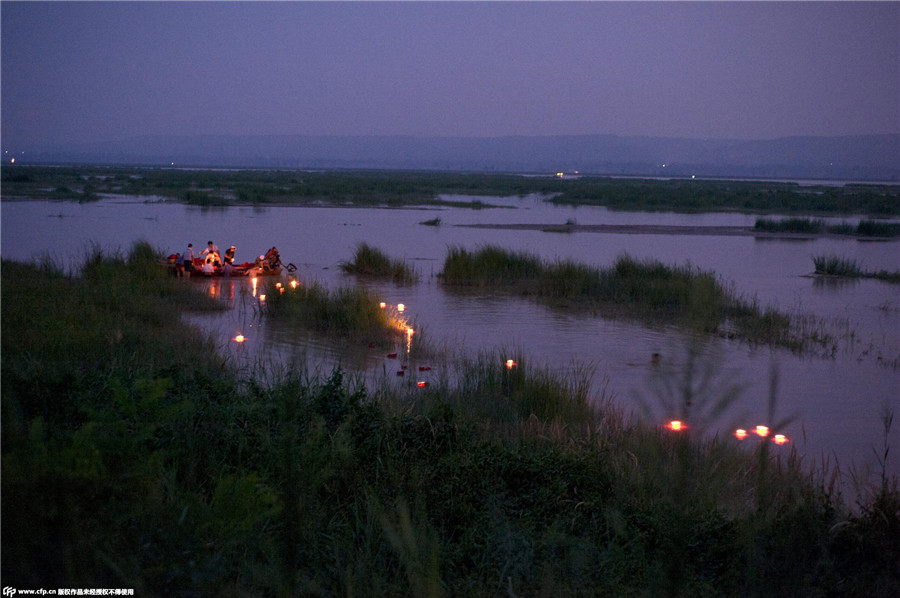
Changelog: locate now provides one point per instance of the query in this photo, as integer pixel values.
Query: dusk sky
(82, 71)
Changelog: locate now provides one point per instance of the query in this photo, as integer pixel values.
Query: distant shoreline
(663, 229)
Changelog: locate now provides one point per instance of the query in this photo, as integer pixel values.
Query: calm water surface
(832, 404)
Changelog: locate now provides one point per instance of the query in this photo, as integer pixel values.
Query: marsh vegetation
(373, 262)
(630, 288)
(135, 455)
(399, 188)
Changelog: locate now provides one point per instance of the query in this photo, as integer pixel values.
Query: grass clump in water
(632, 288)
(345, 311)
(834, 265)
(371, 261)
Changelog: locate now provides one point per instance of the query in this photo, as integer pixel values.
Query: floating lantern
(510, 364)
(740, 433)
(382, 305)
(294, 284)
(277, 285)
(239, 338)
(401, 308)
(676, 425)
(421, 384)
(761, 431)
(262, 298)
(780, 439)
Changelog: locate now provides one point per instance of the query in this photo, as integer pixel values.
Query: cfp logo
(8, 591)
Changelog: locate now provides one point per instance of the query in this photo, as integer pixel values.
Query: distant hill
(866, 157)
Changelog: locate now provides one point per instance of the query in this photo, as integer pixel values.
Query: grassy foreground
(133, 457)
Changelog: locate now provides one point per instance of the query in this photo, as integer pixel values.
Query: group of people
(213, 261)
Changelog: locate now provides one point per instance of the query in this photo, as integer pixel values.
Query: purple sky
(82, 71)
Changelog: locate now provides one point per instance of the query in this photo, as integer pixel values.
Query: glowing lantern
(740, 433)
(421, 384)
(676, 425)
(294, 284)
(761, 431)
(239, 338)
(401, 307)
(277, 285)
(510, 364)
(262, 298)
(382, 305)
(779, 439)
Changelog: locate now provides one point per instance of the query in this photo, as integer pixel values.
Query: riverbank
(213, 188)
(655, 229)
(134, 455)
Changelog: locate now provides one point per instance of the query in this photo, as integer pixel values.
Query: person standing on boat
(210, 248)
(229, 255)
(187, 260)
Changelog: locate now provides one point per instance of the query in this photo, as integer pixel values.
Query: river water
(830, 405)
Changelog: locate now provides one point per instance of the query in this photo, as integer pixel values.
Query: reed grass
(865, 228)
(133, 455)
(646, 290)
(373, 262)
(344, 311)
(834, 265)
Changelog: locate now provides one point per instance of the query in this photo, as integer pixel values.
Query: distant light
(693, 177)
(560, 174)
(740, 433)
(761, 431)
(676, 425)
(239, 338)
(12, 161)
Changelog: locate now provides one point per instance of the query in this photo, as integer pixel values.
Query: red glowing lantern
(761, 431)
(676, 425)
(510, 364)
(740, 433)
(239, 338)
(780, 439)
(421, 384)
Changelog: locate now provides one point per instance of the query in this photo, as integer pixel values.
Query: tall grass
(681, 295)
(834, 265)
(790, 225)
(143, 461)
(371, 261)
(865, 228)
(346, 311)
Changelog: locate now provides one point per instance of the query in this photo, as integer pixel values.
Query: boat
(245, 269)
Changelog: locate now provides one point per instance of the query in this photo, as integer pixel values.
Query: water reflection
(838, 402)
